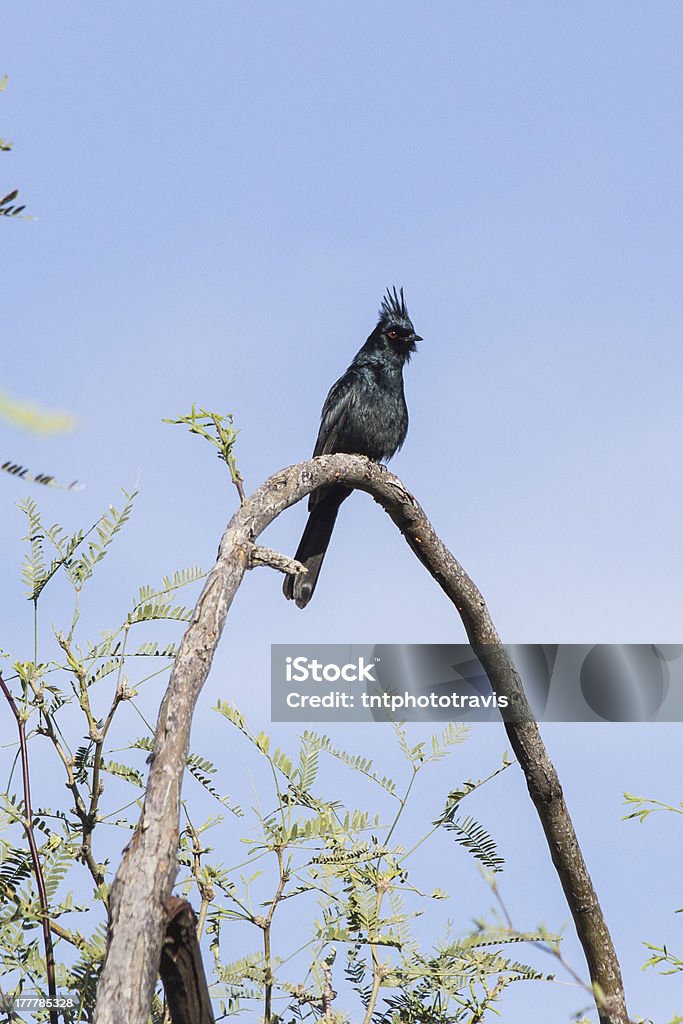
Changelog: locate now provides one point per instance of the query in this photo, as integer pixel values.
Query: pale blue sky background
(223, 191)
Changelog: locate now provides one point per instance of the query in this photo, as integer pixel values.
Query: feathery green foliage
(219, 431)
(474, 837)
(73, 700)
(352, 862)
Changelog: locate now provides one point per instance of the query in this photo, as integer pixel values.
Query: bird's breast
(378, 422)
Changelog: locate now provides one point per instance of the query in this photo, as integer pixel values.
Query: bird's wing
(338, 404)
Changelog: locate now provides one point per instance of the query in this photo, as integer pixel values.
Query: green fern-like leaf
(104, 670)
(55, 868)
(82, 763)
(107, 527)
(456, 796)
(152, 649)
(356, 762)
(309, 763)
(159, 609)
(484, 937)
(66, 548)
(16, 867)
(402, 740)
(148, 595)
(109, 646)
(202, 770)
(182, 578)
(474, 838)
(124, 771)
(34, 568)
(283, 763)
(455, 732)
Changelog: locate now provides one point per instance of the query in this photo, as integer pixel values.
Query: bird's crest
(394, 309)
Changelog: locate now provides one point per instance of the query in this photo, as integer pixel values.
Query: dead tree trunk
(148, 870)
(181, 968)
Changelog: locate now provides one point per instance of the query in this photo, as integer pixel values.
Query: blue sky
(222, 193)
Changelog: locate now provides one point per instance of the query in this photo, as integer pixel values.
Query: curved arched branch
(147, 872)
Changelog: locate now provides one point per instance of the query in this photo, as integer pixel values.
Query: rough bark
(147, 872)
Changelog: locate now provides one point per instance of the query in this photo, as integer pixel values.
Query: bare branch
(147, 872)
(283, 563)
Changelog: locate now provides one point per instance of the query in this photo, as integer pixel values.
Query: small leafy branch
(644, 807)
(218, 431)
(663, 957)
(8, 207)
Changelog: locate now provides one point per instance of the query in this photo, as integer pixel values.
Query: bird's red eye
(391, 334)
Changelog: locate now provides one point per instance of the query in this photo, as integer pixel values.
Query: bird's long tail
(313, 545)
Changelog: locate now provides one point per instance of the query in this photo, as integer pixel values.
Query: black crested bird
(365, 413)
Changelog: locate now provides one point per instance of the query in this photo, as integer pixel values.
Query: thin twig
(239, 484)
(547, 947)
(206, 890)
(48, 729)
(37, 867)
(266, 924)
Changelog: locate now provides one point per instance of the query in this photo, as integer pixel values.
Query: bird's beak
(416, 337)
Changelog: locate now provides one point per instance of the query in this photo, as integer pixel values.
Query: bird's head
(395, 325)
